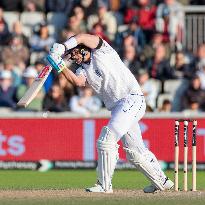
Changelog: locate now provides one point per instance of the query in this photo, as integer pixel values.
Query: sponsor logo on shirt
(97, 72)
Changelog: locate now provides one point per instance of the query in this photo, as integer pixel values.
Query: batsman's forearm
(88, 40)
(72, 78)
(59, 65)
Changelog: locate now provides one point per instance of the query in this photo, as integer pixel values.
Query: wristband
(71, 43)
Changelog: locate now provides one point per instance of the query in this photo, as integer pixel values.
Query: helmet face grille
(74, 52)
(79, 49)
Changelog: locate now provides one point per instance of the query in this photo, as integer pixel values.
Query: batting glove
(58, 49)
(56, 62)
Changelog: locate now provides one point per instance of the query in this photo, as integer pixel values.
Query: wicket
(176, 156)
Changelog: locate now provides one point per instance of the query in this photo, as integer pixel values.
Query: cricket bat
(35, 87)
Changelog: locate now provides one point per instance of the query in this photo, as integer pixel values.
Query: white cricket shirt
(108, 76)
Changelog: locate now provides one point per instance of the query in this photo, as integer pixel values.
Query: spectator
(194, 107)
(85, 103)
(99, 31)
(17, 29)
(4, 31)
(107, 19)
(150, 49)
(130, 11)
(54, 100)
(16, 71)
(159, 66)
(29, 76)
(66, 34)
(181, 68)
(130, 59)
(16, 52)
(30, 6)
(41, 41)
(199, 58)
(135, 30)
(79, 13)
(33, 5)
(128, 40)
(11, 5)
(166, 106)
(146, 18)
(63, 6)
(148, 87)
(201, 73)
(90, 7)
(194, 95)
(145, 15)
(7, 90)
(185, 72)
(170, 21)
(114, 5)
(74, 25)
(39, 65)
(67, 87)
(117, 7)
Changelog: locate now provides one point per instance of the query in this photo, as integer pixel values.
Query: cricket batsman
(101, 68)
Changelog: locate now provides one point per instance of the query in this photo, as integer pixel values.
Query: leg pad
(144, 165)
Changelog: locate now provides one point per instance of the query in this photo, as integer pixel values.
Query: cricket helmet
(81, 48)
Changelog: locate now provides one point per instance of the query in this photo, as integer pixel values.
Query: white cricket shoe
(168, 185)
(98, 189)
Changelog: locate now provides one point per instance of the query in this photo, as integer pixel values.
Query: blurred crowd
(147, 34)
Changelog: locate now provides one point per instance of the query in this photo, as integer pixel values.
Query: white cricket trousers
(124, 124)
(125, 117)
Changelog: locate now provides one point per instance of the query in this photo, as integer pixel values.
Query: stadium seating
(170, 86)
(27, 31)
(162, 97)
(32, 18)
(157, 84)
(11, 17)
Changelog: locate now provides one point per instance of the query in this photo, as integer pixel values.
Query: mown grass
(71, 179)
(79, 179)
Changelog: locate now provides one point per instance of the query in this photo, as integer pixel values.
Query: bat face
(35, 87)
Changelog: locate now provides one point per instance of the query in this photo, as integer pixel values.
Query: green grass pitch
(67, 187)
